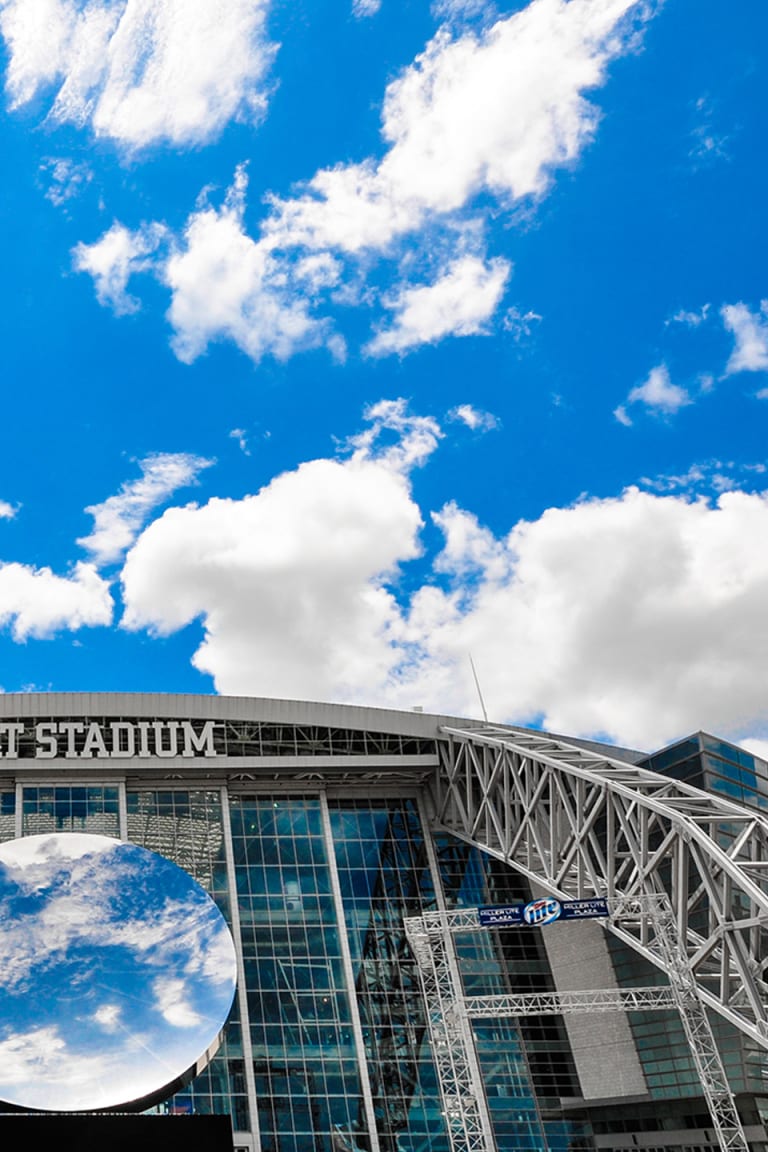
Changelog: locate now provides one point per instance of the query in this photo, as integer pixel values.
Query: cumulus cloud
(459, 303)
(657, 394)
(140, 71)
(7, 511)
(113, 259)
(37, 602)
(226, 285)
(637, 617)
(750, 331)
(276, 574)
(119, 518)
(490, 113)
(495, 112)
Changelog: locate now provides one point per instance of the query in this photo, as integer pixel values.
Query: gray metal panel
(270, 711)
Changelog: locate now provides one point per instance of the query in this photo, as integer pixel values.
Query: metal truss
(449, 1014)
(461, 1087)
(579, 824)
(559, 1003)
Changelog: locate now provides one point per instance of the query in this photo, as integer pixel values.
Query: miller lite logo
(542, 911)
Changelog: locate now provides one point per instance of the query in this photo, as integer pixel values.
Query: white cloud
(108, 1016)
(118, 520)
(227, 286)
(362, 8)
(707, 477)
(688, 318)
(458, 304)
(171, 999)
(657, 393)
(709, 143)
(520, 324)
(7, 511)
(66, 179)
(276, 575)
(489, 113)
(36, 602)
(240, 436)
(474, 418)
(757, 747)
(113, 259)
(140, 71)
(639, 617)
(496, 112)
(459, 11)
(750, 330)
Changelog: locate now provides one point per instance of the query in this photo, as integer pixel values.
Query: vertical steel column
(17, 815)
(122, 809)
(698, 1030)
(458, 1073)
(470, 1052)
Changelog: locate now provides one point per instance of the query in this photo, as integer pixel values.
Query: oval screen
(117, 973)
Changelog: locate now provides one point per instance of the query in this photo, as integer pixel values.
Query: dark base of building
(117, 1132)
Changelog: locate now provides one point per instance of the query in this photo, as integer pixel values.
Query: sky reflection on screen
(117, 972)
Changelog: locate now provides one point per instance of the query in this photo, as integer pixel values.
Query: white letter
(71, 728)
(143, 727)
(118, 728)
(44, 735)
(12, 731)
(94, 741)
(202, 743)
(170, 726)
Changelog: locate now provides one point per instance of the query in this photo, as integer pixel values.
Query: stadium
(378, 1010)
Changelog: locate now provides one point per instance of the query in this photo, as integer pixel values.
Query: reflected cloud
(117, 972)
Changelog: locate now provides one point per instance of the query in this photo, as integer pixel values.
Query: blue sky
(128, 962)
(345, 341)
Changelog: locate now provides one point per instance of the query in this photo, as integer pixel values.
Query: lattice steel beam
(580, 824)
(560, 1003)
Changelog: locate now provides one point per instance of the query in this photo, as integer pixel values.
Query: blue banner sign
(540, 912)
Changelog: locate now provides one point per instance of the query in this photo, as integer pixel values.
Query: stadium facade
(319, 828)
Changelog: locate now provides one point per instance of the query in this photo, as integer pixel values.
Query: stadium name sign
(116, 739)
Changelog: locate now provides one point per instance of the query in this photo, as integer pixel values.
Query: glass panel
(70, 809)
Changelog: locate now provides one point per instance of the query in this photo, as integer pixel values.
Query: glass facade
(326, 1048)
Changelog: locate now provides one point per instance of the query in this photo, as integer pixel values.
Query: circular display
(117, 972)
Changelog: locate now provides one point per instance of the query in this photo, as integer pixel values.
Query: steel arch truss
(579, 824)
